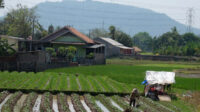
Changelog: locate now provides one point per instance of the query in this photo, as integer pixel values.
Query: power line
(190, 17)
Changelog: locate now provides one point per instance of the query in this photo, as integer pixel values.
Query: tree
(94, 33)
(143, 40)
(190, 37)
(2, 27)
(50, 50)
(40, 32)
(5, 48)
(1, 4)
(124, 38)
(172, 43)
(50, 29)
(21, 22)
(57, 28)
(112, 32)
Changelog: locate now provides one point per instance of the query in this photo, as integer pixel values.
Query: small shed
(114, 48)
(136, 50)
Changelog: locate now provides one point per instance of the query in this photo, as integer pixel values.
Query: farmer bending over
(134, 95)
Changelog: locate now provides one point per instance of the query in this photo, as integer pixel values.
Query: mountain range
(86, 15)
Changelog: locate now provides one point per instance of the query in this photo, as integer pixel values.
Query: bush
(54, 54)
(71, 51)
(5, 48)
(62, 51)
(50, 50)
(90, 56)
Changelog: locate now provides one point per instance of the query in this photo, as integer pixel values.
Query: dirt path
(55, 104)
(116, 105)
(4, 101)
(19, 103)
(71, 107)
(36, 107)
(103, 108)
(84, 104)
(188, 75)
(68, 83)
(47, 83)
(79, 85)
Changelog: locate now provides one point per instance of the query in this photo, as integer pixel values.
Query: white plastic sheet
(155, 77)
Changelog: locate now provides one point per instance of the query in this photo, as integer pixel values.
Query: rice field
(86, 88)
(60, 82)
(47, 102)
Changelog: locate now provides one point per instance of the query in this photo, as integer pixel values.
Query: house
(114, 48)
(12, 41)
(136, 50)
(65, 37)
(68, 36)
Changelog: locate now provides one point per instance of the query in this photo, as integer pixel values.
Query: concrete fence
(40, 60)
(165, 58)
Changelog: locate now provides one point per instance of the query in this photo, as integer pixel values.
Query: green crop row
(90, 101)
(77, 103)
(62, 103)
(3, 95)
(120, 101)
(60, 82)
(145, 104)
(46, 103)
(107, 103)
(9, 105)
(29, 102)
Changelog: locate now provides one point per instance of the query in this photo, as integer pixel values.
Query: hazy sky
(176, 9)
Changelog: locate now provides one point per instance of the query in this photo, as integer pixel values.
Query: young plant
(107, 103)
(73, 83)
(46, 104)
(85, 86)
(9, 105)
(90, 101)
(3, 95)
(156, 105)
(29, 102)
(77, 103)
(62, 103)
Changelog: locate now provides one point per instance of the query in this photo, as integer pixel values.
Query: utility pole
(190, 18)
(33, 28)
(89, 33)
(103, 25)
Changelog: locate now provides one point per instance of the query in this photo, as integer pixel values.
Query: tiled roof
(79, 34)
(65, 30)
